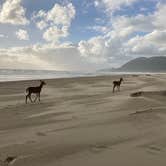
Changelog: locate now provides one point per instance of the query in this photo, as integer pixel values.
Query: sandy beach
(79, 122)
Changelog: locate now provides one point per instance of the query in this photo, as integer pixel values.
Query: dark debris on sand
(136, 94)
(8, 161)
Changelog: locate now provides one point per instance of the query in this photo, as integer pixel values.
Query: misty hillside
(152, 64)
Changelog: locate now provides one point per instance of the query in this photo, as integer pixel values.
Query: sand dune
(79, 121)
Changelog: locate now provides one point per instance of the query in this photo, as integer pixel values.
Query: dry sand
(80, 122)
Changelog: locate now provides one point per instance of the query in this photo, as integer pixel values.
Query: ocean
(17, 74)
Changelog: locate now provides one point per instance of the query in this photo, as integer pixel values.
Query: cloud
(157, 37)
(99, 28)
(61, 15)
(52, 57)
(22, 34)
(113, 5)
(159, 16)
(151, 33)
(137, 23)
(140, 22)
(54, 33)
(120, 40)
(152, 44)
(41, 25)
(56, 21)
(12, 12)
(93, 49)
(3, 36)
(129, 37)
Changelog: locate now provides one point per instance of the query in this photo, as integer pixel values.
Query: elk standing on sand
(117, 84)
(36, 90)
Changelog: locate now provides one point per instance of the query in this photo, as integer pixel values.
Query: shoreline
(83, 76)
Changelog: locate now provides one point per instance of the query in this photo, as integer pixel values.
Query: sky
(80, 35)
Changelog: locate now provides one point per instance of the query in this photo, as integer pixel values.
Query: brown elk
(34, 90)
(117, 84)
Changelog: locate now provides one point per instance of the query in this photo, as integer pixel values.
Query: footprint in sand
(98, 148)
(154, 149)
(41, 134)
(31, 142)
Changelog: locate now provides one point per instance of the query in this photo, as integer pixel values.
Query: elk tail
(27, 90)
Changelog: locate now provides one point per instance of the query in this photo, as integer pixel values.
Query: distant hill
(142, 64)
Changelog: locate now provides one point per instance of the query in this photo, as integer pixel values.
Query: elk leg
(113, 88)
(30, 98)
(39, 96)
(27, 96)
(36, 98)
(26, 99)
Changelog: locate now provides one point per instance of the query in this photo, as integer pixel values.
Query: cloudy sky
(80, 34)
